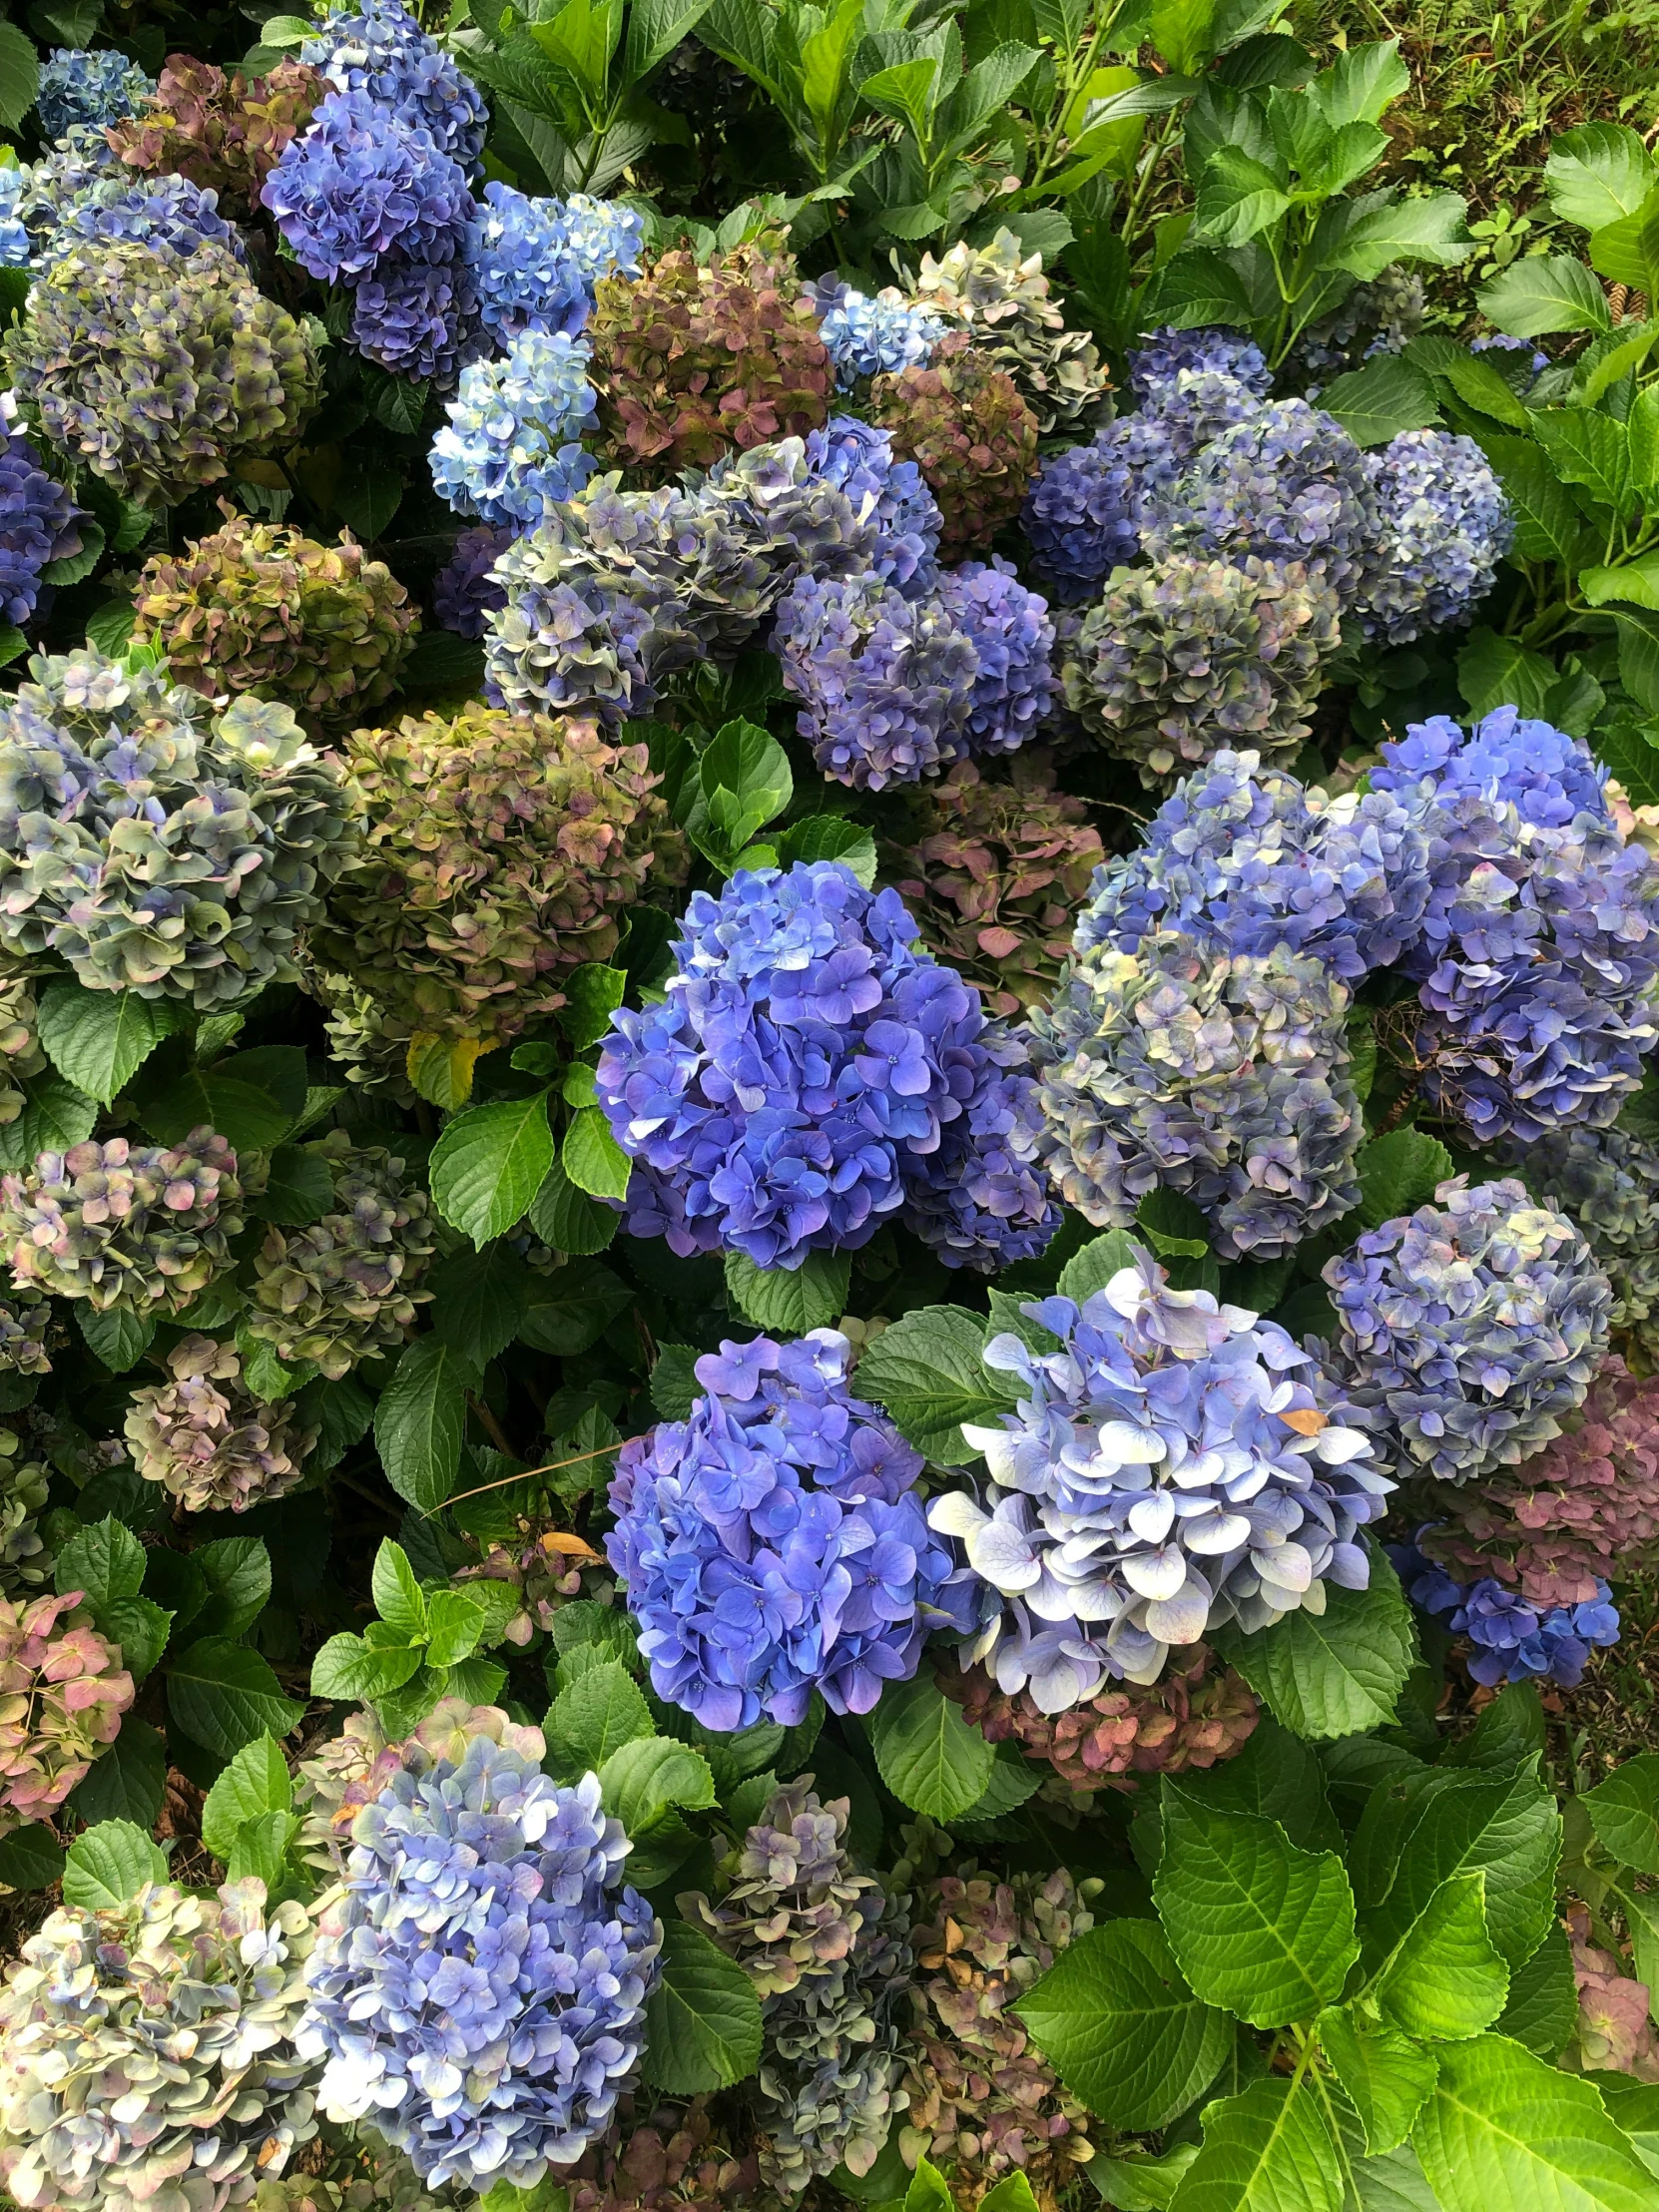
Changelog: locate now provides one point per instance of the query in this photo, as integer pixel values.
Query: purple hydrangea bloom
(78, 86)
(1468, 1328)
(167, 214)
(39, 524)
(1014, 683)
(1513, 1641)
(364, 180)
(865, 337)
(1172, 1464)
(803, 1080)
(527, 277)
(859, 459)
(417, 319)
(465, 589)
(1286, 483)
(1251, 858)
(774, 1544)
(478, 1992)
(1082, 514)
(1445, 525)
(512, 448)
(383, 53)
(1167, 354)
(1548, 777)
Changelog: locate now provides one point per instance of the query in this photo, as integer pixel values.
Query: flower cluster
(14, 237)
(497, 853)
(693, 360)
(158, 372)
(886, 494)
(1156, 366)
(20, 1055)
(1548, 777)
(224, 133)
(147, 2051)
(1468, 1330)
(964, 424)
(1378, 317)
(141, 1227)
(993, 873)
(466, 588)
(1194, 1714)
(208, 1439)
(983, 2102)
(380, 52)
(1082, 514)
(261, 608)
(1445, 525)
(155, 848)
(1171, 1465)
(872, 334)
(774, 1544)
(1192, 656)
(348, 1771)
(999, 295)
(1584, 1508)
(808, 1075)
(535, 262)
(1615, 2025)
(80, 87)
(791, 1900)
(1511, 1640)
(346, 1288)
(39, 524)
(63, 1691)
(1607, 1180)
(512, 447)
(81, 162)
(479, 1988)
(168, 215)
(667, 2156)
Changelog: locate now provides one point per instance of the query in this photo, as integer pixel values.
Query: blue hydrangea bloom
(82, 161)
(606, 236)
(39, 523)
(1251, 858)
(89, 88)
(804, 1075)
(381, 52)
(1513, 1641)
(1082, 514)
(466, 589)
(1546, 775)
(527, 277)
(1445, 525)
(14, 237)
(1468, 1328)
(1172, 1464)
(1166, 353)
(362, 182)
(1286, 483)
(859, 459)
(774, 1544)
(478, 1992)
(417, 319)
(1013, 641)
(167, 214)
(865, 337)
(512, 445)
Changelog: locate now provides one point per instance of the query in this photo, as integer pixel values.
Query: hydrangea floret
(379, 51)
(140, 1227)
(1081, 516)
(1445, 525)
(807, 1074)
(868, 335)
(478, 1991)
(1468, 1329)
(887, 494)
(206, 1438)
(155, 847)
(535, 262)
(147, 2051)
(63, 1691)
(81, 160)
(26, 1557)
(224, 132)
(1172, 1464)
(14, 237)
(1167, 354)
(87, 88)
(774, 1544)
(417, 319)
(512, 447)
(168, 215)
(259, 607)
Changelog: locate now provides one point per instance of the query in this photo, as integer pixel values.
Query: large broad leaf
(224, 1696)
(99, 1039)
(1589, 448)
(1277, 1777)
(1360, 84)
(237, 1571)
(421, 1420)
(1444, 1979)
(927, 1372)
(1540, 293)
(1268, 2150)
(109, 1864)
(929, 1757)
(1260, 1927)
(1624, 1811)
(127, 1782)
(703, 2018)
(790, 1301)
(1424, 1827)
(1598, 173)
(568, 1219)
(103, 1560)
(489, 1164)
(31, 1857)
(479, 1301)
(1377, 402)
(1337, 1672)
(1398, 1173)
(1429, 228)
(596, 1714)
(255, 1782)
(1503, 2132)
(1542, 2012)
(1123, 2029)
(646, 1777)
(1384, 2073)
(55, 1116)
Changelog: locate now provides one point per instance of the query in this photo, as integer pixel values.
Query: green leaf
(1589, 448)
(1238, 195)
(1511, 1728)
(125, 1782)
(479, 1301)
(369, 494)
(1542, 2012)
(421, 1420)
(1597, 173)
(1360, 84)
(1636, 582)
(790, 1301)
(927, 1372)
(255, 1782)
(1628, 251)
(1173, 1226)
(109, 1864)
(1445, 1981)
(346, 1667)
(395, 1588)
(489, 1163)
(251, 1098)
(1138, 2184)
(1093, 1268)
(31, 1857)
(237, 1570)
(140, 1627)
(931, 1758)
(1333, 1673)
(1011, 2194)
(1503, 2132)
(1398, 1173)
(829, 837)
(1268, 2150)
(1117, 2023)
(744, 781)
(1259, 1927)
(597, 1716)
(573, 1308)
(1477, 381)
(1495, 671)
(1628, 749)
(703, 2019)
(592, 1158)
(55, 1116)
(19, 75)
(260, 1848)
(455, 1622)
(1377, 402)
(1428, 229)
(648, 1774)
(117, 1338)
(674, 1385)
(1384, 2075)
(568, 1219)
(1624, 1812)
(1275, 1776)
(99, 1039)
(1424, 1827)
(224, 1696)
(593, 993)
(1540, 293)
(103, 1561)
(300, 1188)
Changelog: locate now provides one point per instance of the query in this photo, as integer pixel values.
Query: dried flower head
(964, 424)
